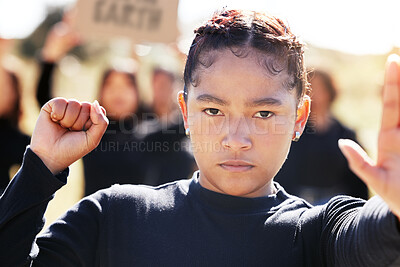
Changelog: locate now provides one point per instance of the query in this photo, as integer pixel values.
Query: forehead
(245, 77)
(117, 78)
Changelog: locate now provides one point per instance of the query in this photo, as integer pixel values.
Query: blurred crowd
(145, 142)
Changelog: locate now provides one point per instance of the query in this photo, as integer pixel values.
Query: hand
(59, 41)
(5, 46)
(384, 175)
(66, 130)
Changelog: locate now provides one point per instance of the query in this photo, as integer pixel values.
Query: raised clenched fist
(66, 130)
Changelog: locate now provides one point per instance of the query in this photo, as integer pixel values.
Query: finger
(71, 113)
(84, 116)
(100, 122)
(391, 98)
(361, 164)
(103, 110)
(89, 123)
(56, 108)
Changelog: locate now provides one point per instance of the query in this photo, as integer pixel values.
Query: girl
(243, 104)
(12, 141)
(315, 169)
(114, 160)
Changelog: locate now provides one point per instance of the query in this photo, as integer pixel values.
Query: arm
(371, 234)
(43, 91)
(65, 131)
(382, 176)
(356, 233)
(22, 207)
(70, 241)
(59, 41)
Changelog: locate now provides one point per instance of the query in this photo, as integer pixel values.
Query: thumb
(98, 127)
(360, 163)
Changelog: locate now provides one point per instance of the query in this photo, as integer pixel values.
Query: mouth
(236, 166)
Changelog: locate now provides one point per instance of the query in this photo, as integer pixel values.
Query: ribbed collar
(234, 204)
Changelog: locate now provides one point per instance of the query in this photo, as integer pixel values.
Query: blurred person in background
(316, 170)
(117, 159)
(167, 146)
(163, 104)
(12, 141)
(59, 41)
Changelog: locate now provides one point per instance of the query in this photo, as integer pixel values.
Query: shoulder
(296, 206)
(160, 197)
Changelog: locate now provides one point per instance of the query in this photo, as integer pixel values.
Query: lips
(236, 166)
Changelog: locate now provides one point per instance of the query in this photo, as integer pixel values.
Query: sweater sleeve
(359, 233)
(43, 91)
(22, 207)
(70, 241)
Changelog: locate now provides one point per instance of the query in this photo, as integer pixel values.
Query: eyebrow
(211, 98)
(268, 101)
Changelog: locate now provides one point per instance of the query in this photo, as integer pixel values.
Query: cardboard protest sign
(139, 20)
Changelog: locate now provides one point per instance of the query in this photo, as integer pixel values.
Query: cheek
(106, 96)
(204, 135)
(131, 98)
(271, 151)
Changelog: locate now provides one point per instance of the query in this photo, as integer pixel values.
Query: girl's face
(241, 122)
(119, 96)
(8, 97)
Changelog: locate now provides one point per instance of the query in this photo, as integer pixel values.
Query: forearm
(44, 87)
(22, 207)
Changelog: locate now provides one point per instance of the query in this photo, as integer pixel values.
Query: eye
(212, 112)
(263, 114)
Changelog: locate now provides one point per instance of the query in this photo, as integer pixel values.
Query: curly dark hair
(245, 32)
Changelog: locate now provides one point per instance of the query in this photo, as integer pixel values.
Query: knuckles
(73, 114)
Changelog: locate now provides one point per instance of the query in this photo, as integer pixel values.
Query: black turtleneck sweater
(184, 224)
(117, 159)
(12, 146)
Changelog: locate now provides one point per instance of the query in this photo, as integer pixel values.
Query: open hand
(384, 175)
(66, 130)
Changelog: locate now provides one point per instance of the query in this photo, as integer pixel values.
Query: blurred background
(349, 39)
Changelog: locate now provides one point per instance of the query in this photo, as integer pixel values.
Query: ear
(183, 107)
(303, 111)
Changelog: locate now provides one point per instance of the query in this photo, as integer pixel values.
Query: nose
(237, 137)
